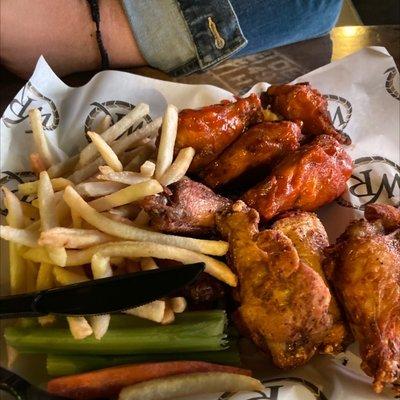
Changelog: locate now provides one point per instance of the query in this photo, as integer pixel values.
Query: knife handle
(20, 305)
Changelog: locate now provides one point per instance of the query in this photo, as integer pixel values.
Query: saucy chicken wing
(301, 101)
(186, 207)
(306, 179)
(284, 303)
(364, 267)
(209, 130)
(260, 145)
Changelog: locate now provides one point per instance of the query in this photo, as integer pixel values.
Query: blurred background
(370, 12)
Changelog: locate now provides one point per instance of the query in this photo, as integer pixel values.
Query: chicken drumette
(284, 303)
(259, 146)
(186, 207)
(209, 130)
(364, 267)
(302, 102)
(306, 179)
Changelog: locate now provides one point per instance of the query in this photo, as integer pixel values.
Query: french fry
(104, 124)
(126, 211)
(216, 268)
(46, 320)
(42, 147)
(74, 257)
(86, 171)
(72, 238)
(105, 151)
(169, 315)
(147, 264)
(167, 141)
(37, 164)
(100, 324)
(114, 228)
(89, 153)
(127, 195)
(101, 268)
(175, 386)
(118, 218)
(17, 269)
(97, 189)
(76, 220)
(66, 277)
(126, 177)
(15, 218)
(179, 167)
(45, 278)
(48, 216)
(178, 304)
(28, 188)
(128, 141)
(19, 236)
(147, 169)
(138, 158)
(153, 311)
(15, 215)
(142, 219)
(79, 327)
(64, 167)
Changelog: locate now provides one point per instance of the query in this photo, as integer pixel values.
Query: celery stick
(190, 333)
(58, 365)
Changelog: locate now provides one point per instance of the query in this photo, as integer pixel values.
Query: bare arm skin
(63, 31)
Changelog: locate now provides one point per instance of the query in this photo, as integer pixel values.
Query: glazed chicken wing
(306, 179)
(309, 237)
(209, 130)
(364, 267)
(259, 146)
(186, 207)
(302, 102)
(284, 303)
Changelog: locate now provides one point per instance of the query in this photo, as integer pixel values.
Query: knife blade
(101, 296)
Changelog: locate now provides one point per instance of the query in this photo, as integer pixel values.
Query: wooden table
(279, 65)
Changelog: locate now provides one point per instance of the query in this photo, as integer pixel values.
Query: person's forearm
(63, 31)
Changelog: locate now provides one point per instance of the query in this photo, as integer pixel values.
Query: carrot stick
(108, 382)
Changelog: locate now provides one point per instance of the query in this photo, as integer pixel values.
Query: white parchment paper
(364, 100)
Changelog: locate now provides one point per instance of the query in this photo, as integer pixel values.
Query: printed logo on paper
(116, 109)
(30, 97)
(375, 179)
(340, 110)
(392, 82)
(276, 388)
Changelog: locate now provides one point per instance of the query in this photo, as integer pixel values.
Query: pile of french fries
(85, 210)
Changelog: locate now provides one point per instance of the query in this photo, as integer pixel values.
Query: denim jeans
(184, 36)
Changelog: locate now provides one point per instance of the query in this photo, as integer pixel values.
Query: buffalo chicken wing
(284, 303)
(306, 179)
(259, 146)
(209, 130)
(309, 237)
(364, 267)
(302, 102)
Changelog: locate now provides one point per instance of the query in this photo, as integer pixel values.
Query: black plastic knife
(101, 296)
